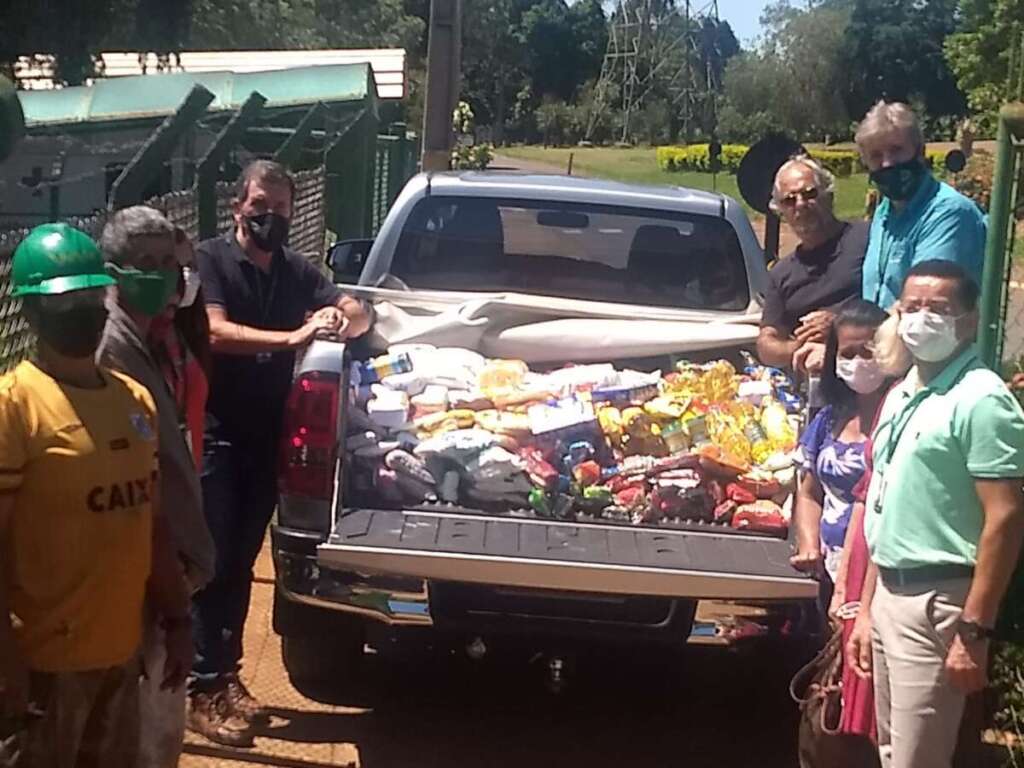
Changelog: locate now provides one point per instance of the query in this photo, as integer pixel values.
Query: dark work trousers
(239, 480)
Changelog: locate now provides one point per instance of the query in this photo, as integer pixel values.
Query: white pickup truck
(549, 270)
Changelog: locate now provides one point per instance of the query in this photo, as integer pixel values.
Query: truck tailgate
(544, 554)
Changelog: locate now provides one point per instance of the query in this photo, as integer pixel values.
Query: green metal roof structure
(154, 97)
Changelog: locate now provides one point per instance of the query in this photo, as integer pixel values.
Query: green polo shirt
(930, 445)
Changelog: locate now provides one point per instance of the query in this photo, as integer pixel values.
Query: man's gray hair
(129, 223)
(883, 117)
(824, 181)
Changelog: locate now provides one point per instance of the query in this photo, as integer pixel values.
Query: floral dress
(838, 466)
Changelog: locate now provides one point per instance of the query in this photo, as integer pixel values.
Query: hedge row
(695, 157)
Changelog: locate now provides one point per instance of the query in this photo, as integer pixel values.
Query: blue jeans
(239, 480)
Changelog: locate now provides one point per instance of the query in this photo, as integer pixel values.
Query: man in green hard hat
(80, 544)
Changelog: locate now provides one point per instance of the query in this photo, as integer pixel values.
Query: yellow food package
(719, 382)
(777, 427)
(665, 409)
(610, 419)
(502, 375)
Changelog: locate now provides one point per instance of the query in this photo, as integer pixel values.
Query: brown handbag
(818, 689)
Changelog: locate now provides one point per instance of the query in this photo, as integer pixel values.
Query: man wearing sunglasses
(823, 272)
(139, 246)
(82, 543)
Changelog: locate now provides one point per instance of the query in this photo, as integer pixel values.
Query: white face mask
(188, 298)
(929, 336)
(861, 374)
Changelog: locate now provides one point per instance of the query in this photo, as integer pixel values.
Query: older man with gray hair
(919, 218)
(139, 246)
(823, 272)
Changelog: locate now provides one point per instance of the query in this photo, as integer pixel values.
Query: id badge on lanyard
(898, 425)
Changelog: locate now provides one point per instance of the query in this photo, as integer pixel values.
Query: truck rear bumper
(404, 601)
(394, 600)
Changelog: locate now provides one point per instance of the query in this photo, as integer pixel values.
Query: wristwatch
(973, 632)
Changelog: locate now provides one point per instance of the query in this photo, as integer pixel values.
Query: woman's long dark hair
(836, 393)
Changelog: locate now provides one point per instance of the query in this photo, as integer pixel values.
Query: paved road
(716, 709)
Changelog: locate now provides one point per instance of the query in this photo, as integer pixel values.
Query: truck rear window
(573, 250)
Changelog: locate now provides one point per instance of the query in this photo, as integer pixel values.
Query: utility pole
(444, 68)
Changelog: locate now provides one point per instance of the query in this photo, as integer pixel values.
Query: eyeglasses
(808, 194)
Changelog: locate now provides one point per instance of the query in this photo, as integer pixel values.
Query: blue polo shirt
(937, 223)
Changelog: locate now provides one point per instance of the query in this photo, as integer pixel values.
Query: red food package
(760, 488)
(621, 482)
(587, 473)
(761, 516)
(739, 494)
(539, 470)
(631, 497)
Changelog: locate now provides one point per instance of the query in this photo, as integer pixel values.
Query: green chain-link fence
(1001, 335)
(307, 237)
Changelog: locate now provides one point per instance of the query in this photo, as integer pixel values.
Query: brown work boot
(244, 703)
(209, 713)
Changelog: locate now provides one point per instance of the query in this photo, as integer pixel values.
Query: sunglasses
(808, 194)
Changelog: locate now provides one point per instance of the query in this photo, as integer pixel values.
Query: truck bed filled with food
(703, 445)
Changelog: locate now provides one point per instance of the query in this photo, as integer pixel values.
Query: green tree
(980, 54)
(72, 31)
(493, 59)
(893, 50)
(794, 82)
(547, 34)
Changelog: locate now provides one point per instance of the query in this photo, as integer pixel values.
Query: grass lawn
(639, 165)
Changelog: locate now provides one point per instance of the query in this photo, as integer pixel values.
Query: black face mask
(73, 332)
(900, 182)
(268, 230)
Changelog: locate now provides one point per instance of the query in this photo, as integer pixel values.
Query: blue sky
(743, 16)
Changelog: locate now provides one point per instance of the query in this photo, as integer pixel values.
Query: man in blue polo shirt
(919, 217)
(259, 297)
(944, 520)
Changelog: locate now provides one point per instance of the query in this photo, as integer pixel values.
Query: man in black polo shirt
(259, 295)
(807, 287)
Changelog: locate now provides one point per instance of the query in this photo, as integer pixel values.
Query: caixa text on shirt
(120, 496)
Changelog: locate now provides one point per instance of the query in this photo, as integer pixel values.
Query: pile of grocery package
(700, 445)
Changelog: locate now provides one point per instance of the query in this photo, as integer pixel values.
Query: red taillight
(309, 447)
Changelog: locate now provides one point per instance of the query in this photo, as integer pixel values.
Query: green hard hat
(57, 258)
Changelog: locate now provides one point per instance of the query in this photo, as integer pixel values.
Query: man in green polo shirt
(944, 521)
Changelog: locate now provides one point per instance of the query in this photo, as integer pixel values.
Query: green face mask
(146, 292)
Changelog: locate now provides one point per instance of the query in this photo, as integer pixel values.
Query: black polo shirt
(248, 392)
(825, 277)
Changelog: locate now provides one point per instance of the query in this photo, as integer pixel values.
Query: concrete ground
(713, 707)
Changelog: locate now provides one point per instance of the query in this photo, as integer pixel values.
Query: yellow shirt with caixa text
(81, 465)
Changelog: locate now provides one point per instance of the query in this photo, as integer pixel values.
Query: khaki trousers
(83, 720)
(918, 711)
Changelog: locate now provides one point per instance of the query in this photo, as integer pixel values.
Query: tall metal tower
(658, 49)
